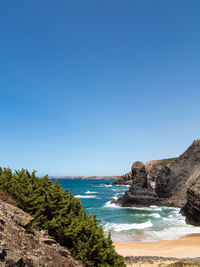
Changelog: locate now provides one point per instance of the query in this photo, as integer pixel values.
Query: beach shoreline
(185, 247)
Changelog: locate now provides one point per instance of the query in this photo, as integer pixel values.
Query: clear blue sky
(88, 87)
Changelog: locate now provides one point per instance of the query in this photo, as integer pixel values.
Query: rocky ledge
(20, 245)
(125, 179)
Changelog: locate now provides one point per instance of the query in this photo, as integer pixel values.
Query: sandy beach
(188, 246)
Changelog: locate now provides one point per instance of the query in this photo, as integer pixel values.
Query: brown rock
(172, 179)
(140, 193)
(6, 199)
(125, 179)
(152, 168)
(19, 248)
(139, 174)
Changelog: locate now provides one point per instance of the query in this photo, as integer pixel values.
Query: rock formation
(125, 179)
(22, 246)
(153, 169)
(171, 181)
(6, 199)
(192, 207)
(140, 192)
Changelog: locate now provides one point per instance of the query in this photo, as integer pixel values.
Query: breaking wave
(118, 227)
(111, 205)
(85, 196)
(91, 192)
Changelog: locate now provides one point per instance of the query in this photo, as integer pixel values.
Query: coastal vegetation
(62, 215)
(168, 161)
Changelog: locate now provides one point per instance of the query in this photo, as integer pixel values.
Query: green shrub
(62, 215)
(165, 162)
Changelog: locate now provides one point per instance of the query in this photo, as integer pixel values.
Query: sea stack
(176, 184)
(140, 192)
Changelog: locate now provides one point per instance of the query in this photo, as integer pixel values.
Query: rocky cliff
(192, 207)
(140, 192)
(22, 246)
(172, 182)
(125, 179)
(172, 178)
(152, 167)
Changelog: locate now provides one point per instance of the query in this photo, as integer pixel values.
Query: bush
(62, 215)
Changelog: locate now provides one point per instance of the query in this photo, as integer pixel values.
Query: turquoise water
(127, 224)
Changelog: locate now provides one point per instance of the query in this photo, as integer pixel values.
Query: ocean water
(127, 224)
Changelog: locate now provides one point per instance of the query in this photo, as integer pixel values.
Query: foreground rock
(22, 246)
(140, 193)
(6, 199)
(192, 207)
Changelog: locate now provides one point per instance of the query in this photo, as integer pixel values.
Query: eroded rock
(174, 181)
(22, 246)
(125, 179)
(191, 209)
(140, 192)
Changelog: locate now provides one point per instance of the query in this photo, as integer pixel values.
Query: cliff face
(171, 181)
(22, 246)
(152, 168)
(140, 193)
(192, 207)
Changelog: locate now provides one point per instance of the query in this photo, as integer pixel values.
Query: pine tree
(62, 215)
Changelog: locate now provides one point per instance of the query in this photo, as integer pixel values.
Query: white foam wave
(118, 227)
(151, 208)
(85, 196)
(91, 192)
(155, 215)
(155, 208)
(115, 196)
(172, 233)
(111, 205)
(122, 185)
(107, 185)
(118, 189)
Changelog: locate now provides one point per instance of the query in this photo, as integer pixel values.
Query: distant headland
(84, 177)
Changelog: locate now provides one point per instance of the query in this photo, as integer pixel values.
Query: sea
(145, 224)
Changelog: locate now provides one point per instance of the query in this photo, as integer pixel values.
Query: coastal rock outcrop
(172, 182)
(20, 245)
(165, 182)
(191, 209)
(125, 179)
(152, 168)
(140, 192)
